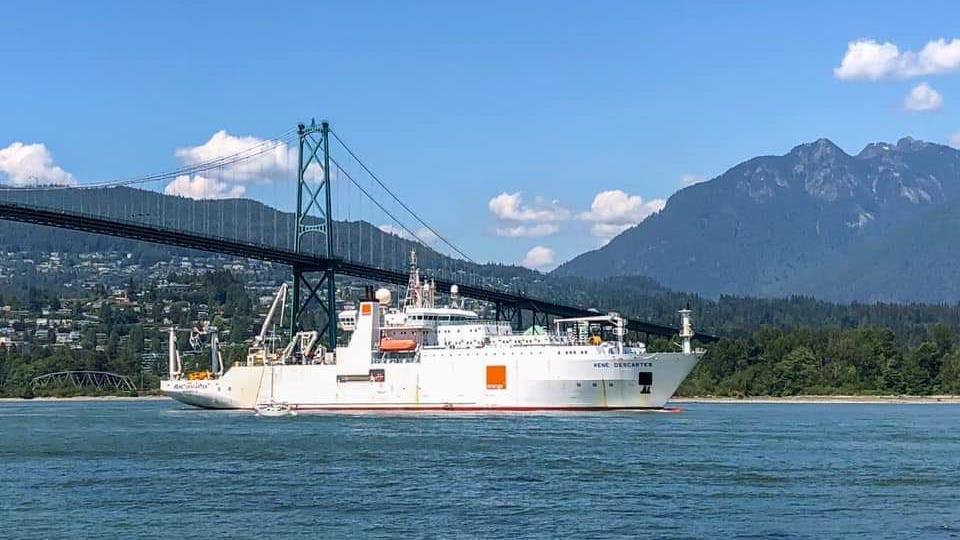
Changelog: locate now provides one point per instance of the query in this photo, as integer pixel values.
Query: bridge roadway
(161, 235)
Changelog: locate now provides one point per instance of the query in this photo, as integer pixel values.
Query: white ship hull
(575, 378)
(430, 358)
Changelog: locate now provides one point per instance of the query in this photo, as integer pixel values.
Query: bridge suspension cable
(381, 206)
(248, 153)
(200, 216)
(397, 199)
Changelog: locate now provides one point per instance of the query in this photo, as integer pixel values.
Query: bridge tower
(314, 216)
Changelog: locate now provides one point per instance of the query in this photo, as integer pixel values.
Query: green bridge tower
(314, 216)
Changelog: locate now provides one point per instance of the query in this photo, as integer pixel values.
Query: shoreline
(84, 398)
(833, 399)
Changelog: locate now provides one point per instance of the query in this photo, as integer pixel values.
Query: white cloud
(866, 59)
(31, 164)
(528, 231)
(394, 230)
(940, 56)
(611, 213)
(606, 231)
(923, 98)
(427, 236)
(687, 180)
(201, 187)
(424, 235)
(539, 257)
(510, 207)
(615, 211)
(270, 160)
(954, 140)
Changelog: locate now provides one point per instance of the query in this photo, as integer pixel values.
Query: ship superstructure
(420, 356)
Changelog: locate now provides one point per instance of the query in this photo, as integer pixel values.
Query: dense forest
(870, 360)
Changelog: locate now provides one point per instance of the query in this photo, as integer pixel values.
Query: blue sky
(453, 104)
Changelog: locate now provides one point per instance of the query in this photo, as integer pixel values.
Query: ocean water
(156, 469)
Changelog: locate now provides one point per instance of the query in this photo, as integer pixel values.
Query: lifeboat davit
(397, 345)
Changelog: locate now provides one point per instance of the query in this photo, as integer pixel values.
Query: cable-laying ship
(423, 357)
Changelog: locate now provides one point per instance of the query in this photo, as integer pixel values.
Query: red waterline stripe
(484, 409)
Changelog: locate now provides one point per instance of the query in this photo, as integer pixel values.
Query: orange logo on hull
(496, 377)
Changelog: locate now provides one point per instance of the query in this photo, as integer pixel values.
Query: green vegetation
(778, 347)
(114, 337)
(863, 361)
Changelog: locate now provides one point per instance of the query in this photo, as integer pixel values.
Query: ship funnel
(366, 334)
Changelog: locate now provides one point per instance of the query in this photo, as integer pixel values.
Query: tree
(796, 373)
(950, 373)
(923, 367)
(135, 339)
(943, 337)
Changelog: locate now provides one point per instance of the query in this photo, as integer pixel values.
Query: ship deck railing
(464, 322)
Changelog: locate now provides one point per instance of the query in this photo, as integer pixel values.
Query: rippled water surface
(154, 469)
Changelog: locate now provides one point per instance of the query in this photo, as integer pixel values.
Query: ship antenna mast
(414, 297)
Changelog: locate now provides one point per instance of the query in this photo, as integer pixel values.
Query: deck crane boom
(260, 353)
(278, 299)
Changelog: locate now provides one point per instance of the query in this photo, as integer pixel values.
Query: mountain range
(881, 225)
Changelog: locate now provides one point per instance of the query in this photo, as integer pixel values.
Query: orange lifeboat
(397, 345)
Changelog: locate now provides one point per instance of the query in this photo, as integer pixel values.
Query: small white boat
(275, 410)
(272, 408)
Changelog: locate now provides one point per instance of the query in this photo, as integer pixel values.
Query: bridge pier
(515, 314)
(313, 287)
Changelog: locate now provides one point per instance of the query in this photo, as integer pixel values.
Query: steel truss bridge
(314, 264)
(101, 380)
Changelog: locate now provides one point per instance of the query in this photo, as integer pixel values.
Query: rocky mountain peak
(820, 150)
(877, 149)
(909, 144)
(772, 223)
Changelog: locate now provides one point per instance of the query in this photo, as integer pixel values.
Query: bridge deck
(170, 237)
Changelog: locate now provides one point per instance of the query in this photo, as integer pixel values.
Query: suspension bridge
(331, 181)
